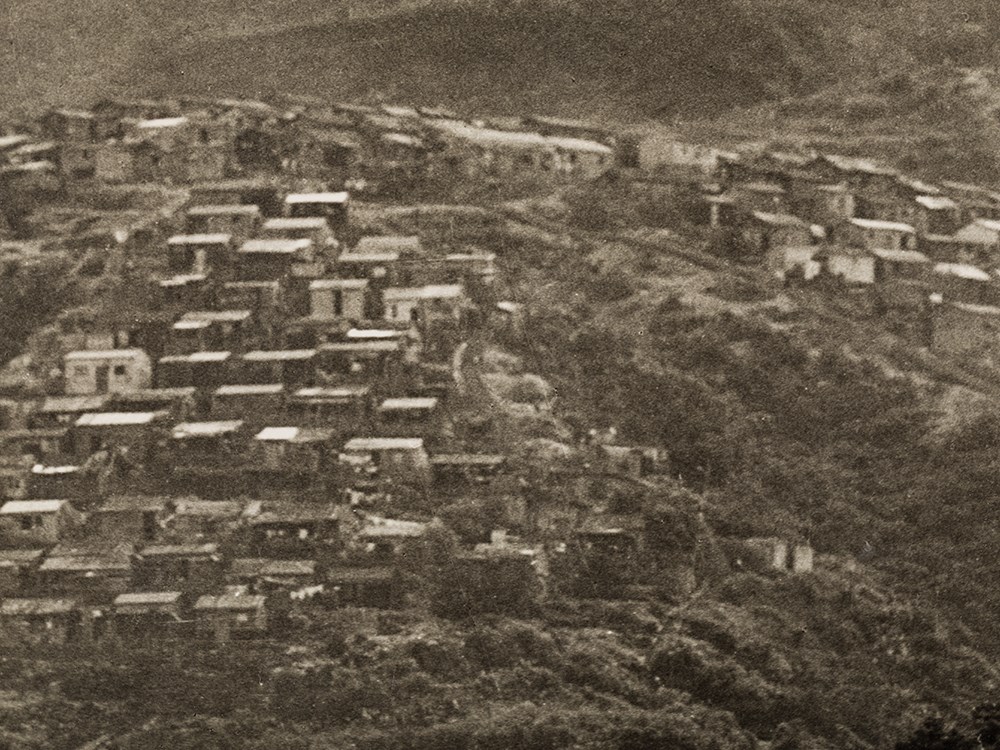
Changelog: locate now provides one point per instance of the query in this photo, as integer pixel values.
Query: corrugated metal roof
(87, 355)
(227, 210)
(962, 271)
(221, 316)
(889, 226)
(20, 507)
(241, 602)
(206, 429)
(280, 355)
(118, 418)
(936, 202)
(338, 284)
(253, 567)
(200, 239)
(431, 291)
(275, 245)
(901, 256)
(364, 445)
(330, 197)
(407, 404)
(302, 222)
(147, 597)
(253, 389)
(36, 607)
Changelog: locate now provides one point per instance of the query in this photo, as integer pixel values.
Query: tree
(932, 735)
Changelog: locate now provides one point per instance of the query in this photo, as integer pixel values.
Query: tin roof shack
(232, 615)
(398, 460)
(383, 268)
(264, 193)
(900, 265)
(264, 298)
(237, 220)
(345, 409)
(469, 269)
(459, 471)
(406, 247)
(501, 153)
(69, 125)
(179, 293)
(411, 417)
(877, 235)
(15, 476)
(214, 331)
(332, 206)
(636, 462)
(191, 568)
(313, 228)
(424, 304)
(148, 616)
(961, 282)
(293, 451)
(130, 160)
(283, 530)
(936, 214)
(825, 204)
(397, 162)
(258, 404)
(199, 253)
(494, 579)
(89, 574)
(43, 622)
(17, 570)
(195, 370)
(28, 522)
(59, 480)
(293, 368)
(982, 237)
(178, 403)
(195, 518)
(771, 554)
(39, 443)
(377, 587)
(856, 172)
(270, 576)
(62, 411)
(665, 152)
(337, 299)
(108, 371)
(976, 202)
(274, 259)
(767, 233)
(136, 432)
(209, 457)
(325, 153)
(130, 518)
(852, 265)
(387, 539)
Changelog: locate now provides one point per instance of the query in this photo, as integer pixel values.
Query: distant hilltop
(637, 57)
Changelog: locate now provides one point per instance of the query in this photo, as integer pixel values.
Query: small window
(30, 522)
(121, 370)
(81, 371)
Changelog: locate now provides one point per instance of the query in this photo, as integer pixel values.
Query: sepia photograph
(499, 375)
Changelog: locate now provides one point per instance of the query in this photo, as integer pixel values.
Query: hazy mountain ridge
(632, 58)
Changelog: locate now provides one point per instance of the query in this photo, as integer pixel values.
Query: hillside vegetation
(625, 59)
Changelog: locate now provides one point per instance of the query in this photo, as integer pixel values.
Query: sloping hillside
(625, 59)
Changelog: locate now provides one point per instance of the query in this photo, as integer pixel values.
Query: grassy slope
(632, 57)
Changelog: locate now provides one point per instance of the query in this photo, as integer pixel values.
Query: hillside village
(278, 416)
(276, 413)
